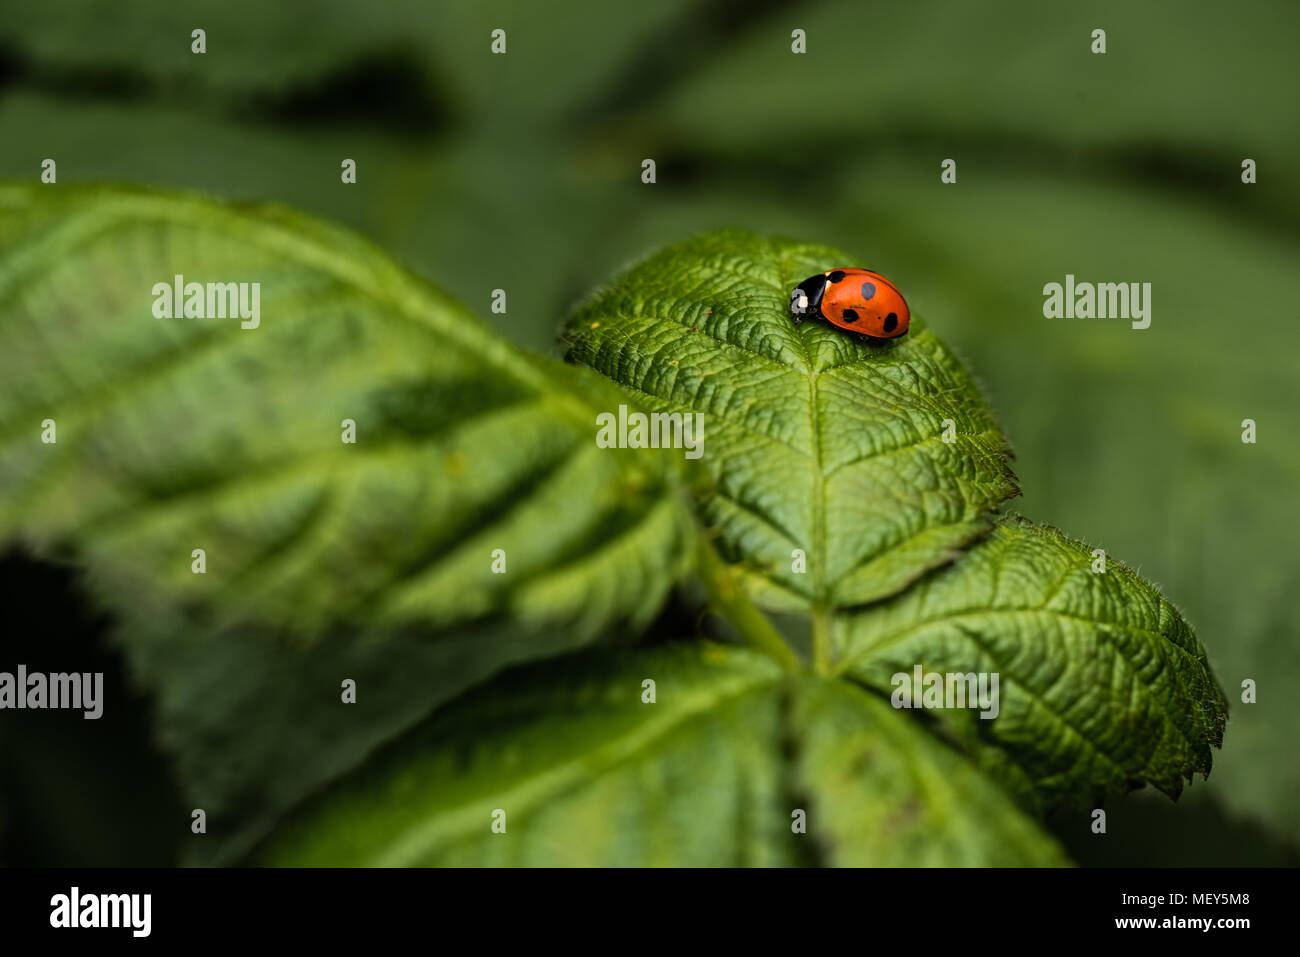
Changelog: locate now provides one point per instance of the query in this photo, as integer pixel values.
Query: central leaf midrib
(823, 652)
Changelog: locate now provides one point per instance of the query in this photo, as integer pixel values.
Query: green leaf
(1159, 85)
(248, 49)
(1102, 685)
(182, 433)
(883, 791)
(442, 49)
(178, 434)
(815, 441)
(1132, 439)
(589, 774)
(463, 214)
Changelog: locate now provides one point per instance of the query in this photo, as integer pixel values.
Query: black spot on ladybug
(850, 315)
(891, 322)
(868, 290)
(836, 276)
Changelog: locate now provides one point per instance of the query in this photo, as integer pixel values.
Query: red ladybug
(854, 299)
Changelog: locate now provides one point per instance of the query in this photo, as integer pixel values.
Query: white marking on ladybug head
(799, 301)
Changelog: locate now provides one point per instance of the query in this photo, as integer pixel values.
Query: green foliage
(273, 51)
(1123, 166)
(710, 773)
(199, 431)
(373, 561)
(815, 441)
(1048, 88)
(176, 434)
(1104, 687)
(1132, 440)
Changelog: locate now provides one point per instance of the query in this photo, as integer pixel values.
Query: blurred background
(522, 171)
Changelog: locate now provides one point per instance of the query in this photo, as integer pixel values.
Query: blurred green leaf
(443, 48)
(249, 46)
(1102, 685)
(1011, 70)
(589, 774)
(176, 434)
(464, 215)
(183, 433)
(886, 792)
(815, 441)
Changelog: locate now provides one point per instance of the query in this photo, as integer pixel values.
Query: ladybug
(854, 299)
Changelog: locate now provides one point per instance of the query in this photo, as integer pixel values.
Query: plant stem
(728, 599)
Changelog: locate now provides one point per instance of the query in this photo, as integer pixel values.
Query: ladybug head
(807, 296)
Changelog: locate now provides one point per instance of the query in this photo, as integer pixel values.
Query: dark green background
(522, 172)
